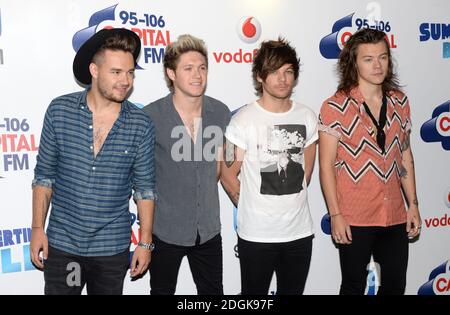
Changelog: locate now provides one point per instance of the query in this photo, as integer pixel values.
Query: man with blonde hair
(189, 132)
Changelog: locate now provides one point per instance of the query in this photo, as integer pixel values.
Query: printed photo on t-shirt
(281, 158)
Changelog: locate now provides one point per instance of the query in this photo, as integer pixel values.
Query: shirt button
(126, 152)
(91, 147)
(90, 126)
(93, 168)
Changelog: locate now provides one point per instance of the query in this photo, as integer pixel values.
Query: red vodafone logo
(249, 29)
(447, 197)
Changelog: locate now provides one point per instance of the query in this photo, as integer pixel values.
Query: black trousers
(67, 274)
(290, 261)
(205, 261)
(389, 247)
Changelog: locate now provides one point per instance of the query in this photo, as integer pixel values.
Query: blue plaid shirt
(90, 202)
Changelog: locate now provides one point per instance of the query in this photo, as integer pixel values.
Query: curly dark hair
(347, 69)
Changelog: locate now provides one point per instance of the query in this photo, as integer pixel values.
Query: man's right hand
(39, 242)
(340, 230)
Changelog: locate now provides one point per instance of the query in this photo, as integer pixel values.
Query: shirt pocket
(122, 156)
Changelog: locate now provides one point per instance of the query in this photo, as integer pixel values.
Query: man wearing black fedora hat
(96, 148)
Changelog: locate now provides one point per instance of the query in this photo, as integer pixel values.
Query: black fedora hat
(84, 55)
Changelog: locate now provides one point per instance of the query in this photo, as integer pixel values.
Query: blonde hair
(184, 43)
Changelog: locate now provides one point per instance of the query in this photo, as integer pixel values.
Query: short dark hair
(347, 68)
(271, 56)
(118, 42)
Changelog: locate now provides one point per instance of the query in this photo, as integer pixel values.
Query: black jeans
(67, 274)
(205, 261)
(389, 246)
(289, 260)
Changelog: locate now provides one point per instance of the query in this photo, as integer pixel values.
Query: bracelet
(147, 246)
(36, 227)
(335, 215)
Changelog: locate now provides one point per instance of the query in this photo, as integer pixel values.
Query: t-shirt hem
(275, 240)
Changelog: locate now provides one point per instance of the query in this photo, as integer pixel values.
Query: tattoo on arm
(406, 143)
(403, 172)
(230, 153)
(415, 202)
(235, 198)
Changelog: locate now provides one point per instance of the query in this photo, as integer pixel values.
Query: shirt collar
(357, 96)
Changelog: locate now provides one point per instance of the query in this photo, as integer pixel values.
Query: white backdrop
(37, 40)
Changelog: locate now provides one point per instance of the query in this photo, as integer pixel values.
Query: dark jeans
(67, 274)
(389, 246)
(205, 261)
(289, 260)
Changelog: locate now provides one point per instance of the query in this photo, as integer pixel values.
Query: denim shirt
(90, 202)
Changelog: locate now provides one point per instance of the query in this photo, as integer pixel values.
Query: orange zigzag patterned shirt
(368, 182)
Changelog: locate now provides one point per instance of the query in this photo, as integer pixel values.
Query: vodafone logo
(249, 29)
(443, 221)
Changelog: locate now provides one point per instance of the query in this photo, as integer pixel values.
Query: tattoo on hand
(415, 202)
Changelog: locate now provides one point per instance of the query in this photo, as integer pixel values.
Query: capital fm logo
(18, 145)
(437, 129)
(436, 32)
(249, 31)
(151, 29)
(438, 281)
(331, 45)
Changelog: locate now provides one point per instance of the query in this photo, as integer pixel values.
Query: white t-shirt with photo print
(273, 204)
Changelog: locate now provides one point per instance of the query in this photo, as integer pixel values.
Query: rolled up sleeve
(329, 120)
(143, 176)
(46, 161)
